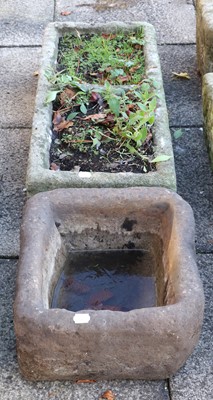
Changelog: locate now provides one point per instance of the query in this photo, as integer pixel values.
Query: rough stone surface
(204, 35)
(24, 23)
(18, 85)
(192, 382)
(173, 20)
(183, 96)
(40, 178)
(14, 146)
(208, 111)
(49, 344)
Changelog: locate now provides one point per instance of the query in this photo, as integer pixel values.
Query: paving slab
(18, 85)
(23, 24)
(195, 380)
(14, 144)
(195, 183)
(13, 387)
(183, 96)
(174, 20)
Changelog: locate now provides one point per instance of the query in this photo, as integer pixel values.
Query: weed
(95, 58)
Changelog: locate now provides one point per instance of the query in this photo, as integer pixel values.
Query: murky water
(118, 280)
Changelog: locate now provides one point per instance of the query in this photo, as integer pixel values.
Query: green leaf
(178, 133)
(114, 105)
(51, 96)
(72, 116)
(116, 72)
(137, 41)
(160, 158)
(129, 63)
(83, 108)
(151, 119)
(153, 104)
(96, 142)
(141, 134)
(142, 106)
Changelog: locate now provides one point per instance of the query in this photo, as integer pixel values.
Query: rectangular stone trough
(207, 94)
(39, 175)
(204, 35)
(98, 340)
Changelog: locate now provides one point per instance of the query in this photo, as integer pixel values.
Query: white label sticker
(84, 174)
(81, 318)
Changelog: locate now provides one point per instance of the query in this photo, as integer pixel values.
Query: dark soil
(107, 160)
(79, 155)
(81, 143)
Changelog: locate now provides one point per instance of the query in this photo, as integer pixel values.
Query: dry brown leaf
(108, 36)
(95, 116)
(35, 73)
(54, 167)
(67, 94)
(108, 395)
(57, 119)
(85, 381)
(63, 125)
(133, 69)
(124, 78)
(65, 13)
(183, 75)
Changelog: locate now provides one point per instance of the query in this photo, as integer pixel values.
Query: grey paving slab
(195, 380)
(22, 23)
(183, 96)
(14, 145)
(174, 20)
(13, 387)
(18, 85)
(195, 183)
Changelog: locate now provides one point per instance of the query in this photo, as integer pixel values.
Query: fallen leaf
(183, 75)
(35, 73)
(124, 78)
(108, 36)
(63, 125)
(76, 286)
(109, 120)
(57, 118)
(54, 167)
(66, 95)
(85, 381)
(133, 69)
(100, 296)
(65, 13)
(178, 133)
(95, 116)
(109, 395)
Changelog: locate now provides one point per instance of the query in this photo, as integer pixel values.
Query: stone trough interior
(124, 244)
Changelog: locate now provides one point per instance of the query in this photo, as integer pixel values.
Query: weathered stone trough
(207, 95)
(143, 343)
(204, 35)
(39, 175)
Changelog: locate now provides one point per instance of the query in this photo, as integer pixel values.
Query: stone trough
(101, 341)
(39, 175)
